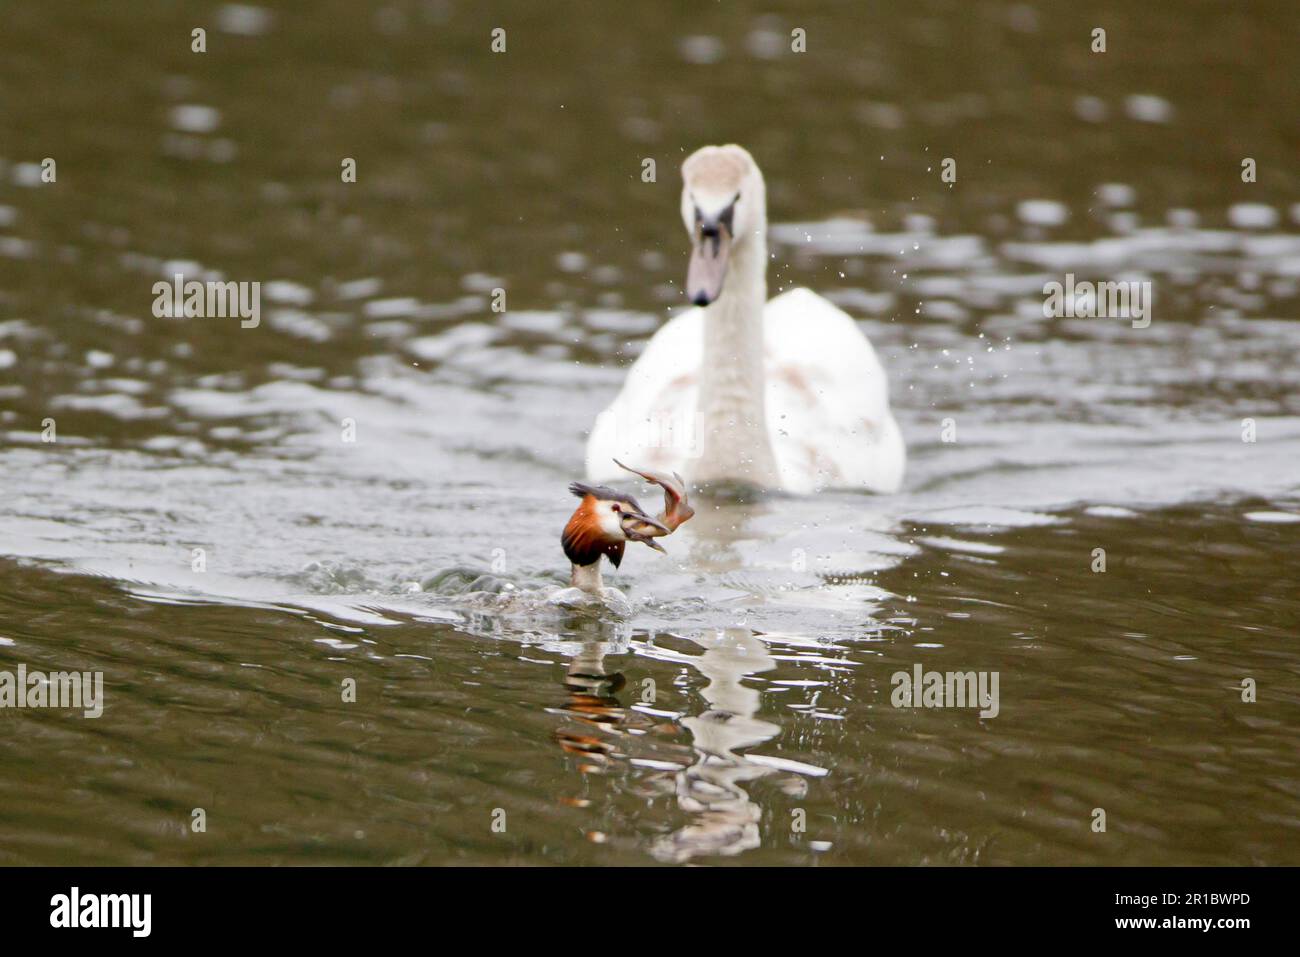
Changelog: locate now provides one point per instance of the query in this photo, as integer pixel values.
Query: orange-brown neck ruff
(582, 539)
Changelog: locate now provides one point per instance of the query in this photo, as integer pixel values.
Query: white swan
(785, 395)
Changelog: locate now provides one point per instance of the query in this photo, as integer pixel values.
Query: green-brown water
(750, 689)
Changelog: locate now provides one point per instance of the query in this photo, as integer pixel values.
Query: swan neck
(734, 440)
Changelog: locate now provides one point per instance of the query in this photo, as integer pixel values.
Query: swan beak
(710, 247)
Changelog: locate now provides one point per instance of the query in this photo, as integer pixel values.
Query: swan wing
(827, 399)
(651, 424)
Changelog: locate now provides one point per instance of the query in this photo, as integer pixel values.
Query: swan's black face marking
(728, 214)
(710, 227)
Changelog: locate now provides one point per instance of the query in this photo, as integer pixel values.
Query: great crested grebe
(785, 395)
(606, 520)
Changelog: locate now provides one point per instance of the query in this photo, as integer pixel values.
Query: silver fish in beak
(676, 509)
(639, 527)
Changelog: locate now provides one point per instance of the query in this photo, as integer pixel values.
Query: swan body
(785, 395)
(825, 392)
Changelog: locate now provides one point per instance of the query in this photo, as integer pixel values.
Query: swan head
(604, 522)
(723, 207)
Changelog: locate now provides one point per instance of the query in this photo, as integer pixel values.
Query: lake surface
(201, 532)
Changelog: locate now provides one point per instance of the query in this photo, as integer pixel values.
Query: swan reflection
(708, 778)
(724, 819)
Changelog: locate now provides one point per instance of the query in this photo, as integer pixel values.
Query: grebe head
(723, 205)
(604, 522)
